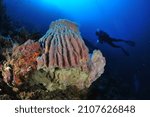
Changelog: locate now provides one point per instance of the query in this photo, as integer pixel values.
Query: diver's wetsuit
(104, 37)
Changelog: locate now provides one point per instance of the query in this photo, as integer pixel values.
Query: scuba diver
(104, 37)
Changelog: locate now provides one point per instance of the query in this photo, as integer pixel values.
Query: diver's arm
(99, 41)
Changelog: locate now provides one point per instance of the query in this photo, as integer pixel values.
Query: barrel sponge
(63, 46)
(66, 58)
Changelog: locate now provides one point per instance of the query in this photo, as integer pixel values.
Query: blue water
(125, 19)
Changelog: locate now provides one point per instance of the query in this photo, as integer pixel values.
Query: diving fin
(125, 52)
(130, 43)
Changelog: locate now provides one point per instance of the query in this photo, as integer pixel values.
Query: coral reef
(23, 60)
(59, 62)
(21, 35)
(38, 92)
(6, 46)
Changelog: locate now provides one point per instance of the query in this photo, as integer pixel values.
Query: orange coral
(24, 60)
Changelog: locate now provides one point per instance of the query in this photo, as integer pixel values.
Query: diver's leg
(116, 46)
(130, 43)
(125, 52)
(117, 40)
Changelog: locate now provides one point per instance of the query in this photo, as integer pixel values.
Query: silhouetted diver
(104, 37)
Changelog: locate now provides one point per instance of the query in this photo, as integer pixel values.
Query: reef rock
(22, 62)
(66, 59)
(6, 46)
